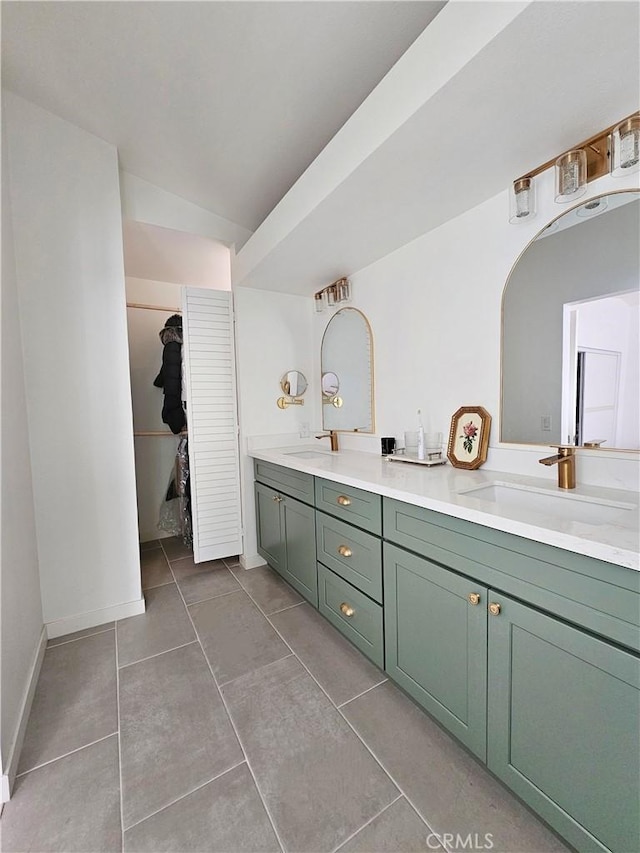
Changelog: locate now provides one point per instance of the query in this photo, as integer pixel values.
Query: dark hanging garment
(170, 376)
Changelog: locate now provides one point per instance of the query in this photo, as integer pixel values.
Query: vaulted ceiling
(222, 103)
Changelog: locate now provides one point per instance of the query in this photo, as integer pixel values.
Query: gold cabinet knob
(278, 499)
(494, 609)
(343, 500)
(347, 609)
(474, 598)
(344, 551)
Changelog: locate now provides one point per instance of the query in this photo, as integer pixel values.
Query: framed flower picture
(469, 437)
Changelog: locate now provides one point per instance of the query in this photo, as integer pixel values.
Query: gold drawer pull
(343, 500)
(344, 551)
(347, 609)
(494, 609)
(474, 598)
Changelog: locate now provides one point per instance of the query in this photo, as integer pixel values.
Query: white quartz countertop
(615, 540)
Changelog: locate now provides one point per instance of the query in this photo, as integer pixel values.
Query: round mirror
(570, 340)
(293, 383)
(347, 352)
(330, 384)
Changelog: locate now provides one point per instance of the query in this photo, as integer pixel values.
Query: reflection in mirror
(570, 330)
(330, 384)
(347, 352)
(294, 383)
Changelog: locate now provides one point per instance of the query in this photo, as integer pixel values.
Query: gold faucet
(332, 435)
(565, 459)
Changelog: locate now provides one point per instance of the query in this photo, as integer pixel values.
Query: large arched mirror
(347, 373)
(570, 330)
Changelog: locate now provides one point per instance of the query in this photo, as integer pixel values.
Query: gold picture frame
(469, 437)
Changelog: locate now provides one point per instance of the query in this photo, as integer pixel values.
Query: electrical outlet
(303, 431)
(545, 423)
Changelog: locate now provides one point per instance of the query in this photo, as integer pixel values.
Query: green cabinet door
(436, 642)
(269, 527)
(564, 726)
(299, 534)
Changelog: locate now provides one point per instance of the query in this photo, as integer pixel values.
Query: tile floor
(232, 717)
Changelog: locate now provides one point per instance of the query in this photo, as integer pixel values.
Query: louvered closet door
(210, 381)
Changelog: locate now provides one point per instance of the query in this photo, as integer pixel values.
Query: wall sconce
(522, 201)
(332, 295)
(615, 150)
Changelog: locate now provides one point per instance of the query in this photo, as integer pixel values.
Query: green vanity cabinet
(522, 677)
(563, 725)
(436, 642)
(287, 538)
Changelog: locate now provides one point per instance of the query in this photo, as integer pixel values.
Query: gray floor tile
(164, 625)
(69, 805)
(319, 782)
(175, 549)
(227, 814)
(338, 666)
(397, 830)
(75, 700)
(236, 637)
(199, 581)
(78, 635)
(267, 589)
(175, 733)
(154, 568)
(452, 791)
(233, 562)
(150, 545)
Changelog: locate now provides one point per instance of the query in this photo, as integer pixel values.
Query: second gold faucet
(565, 459)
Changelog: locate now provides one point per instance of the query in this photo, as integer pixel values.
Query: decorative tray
(438, 460)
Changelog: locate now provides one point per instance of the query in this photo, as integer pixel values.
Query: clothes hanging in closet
(170, 376)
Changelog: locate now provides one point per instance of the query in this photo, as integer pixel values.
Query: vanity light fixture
(626, 147)
(522, 201)
(615, 150)
(334, 293)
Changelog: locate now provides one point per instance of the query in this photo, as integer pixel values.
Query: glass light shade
(344, 290)
(319, 302)
(332, 295)
(571, 175)
(626, 147)
(522, 202)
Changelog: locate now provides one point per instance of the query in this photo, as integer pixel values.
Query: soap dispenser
(422, 453)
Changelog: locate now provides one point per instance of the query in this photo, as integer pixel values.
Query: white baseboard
(94, 618)
(251, 561)
(9, 776)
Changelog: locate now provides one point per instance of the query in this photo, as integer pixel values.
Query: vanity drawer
(356, 506)
(353, 554)
(352, 613)
(295, 483)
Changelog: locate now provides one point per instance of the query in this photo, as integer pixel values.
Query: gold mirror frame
(579, 203)
(339, 401)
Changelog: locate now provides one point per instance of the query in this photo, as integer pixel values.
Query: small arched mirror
(293, 383)
(570, 318)
(347, 367)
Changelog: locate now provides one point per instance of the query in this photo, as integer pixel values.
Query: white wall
(435, 309)
(21, 619)
(67, 228)
(163, 254)
(274, 334)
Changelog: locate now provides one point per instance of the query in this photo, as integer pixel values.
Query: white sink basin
(564, 505)
(307, 454)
